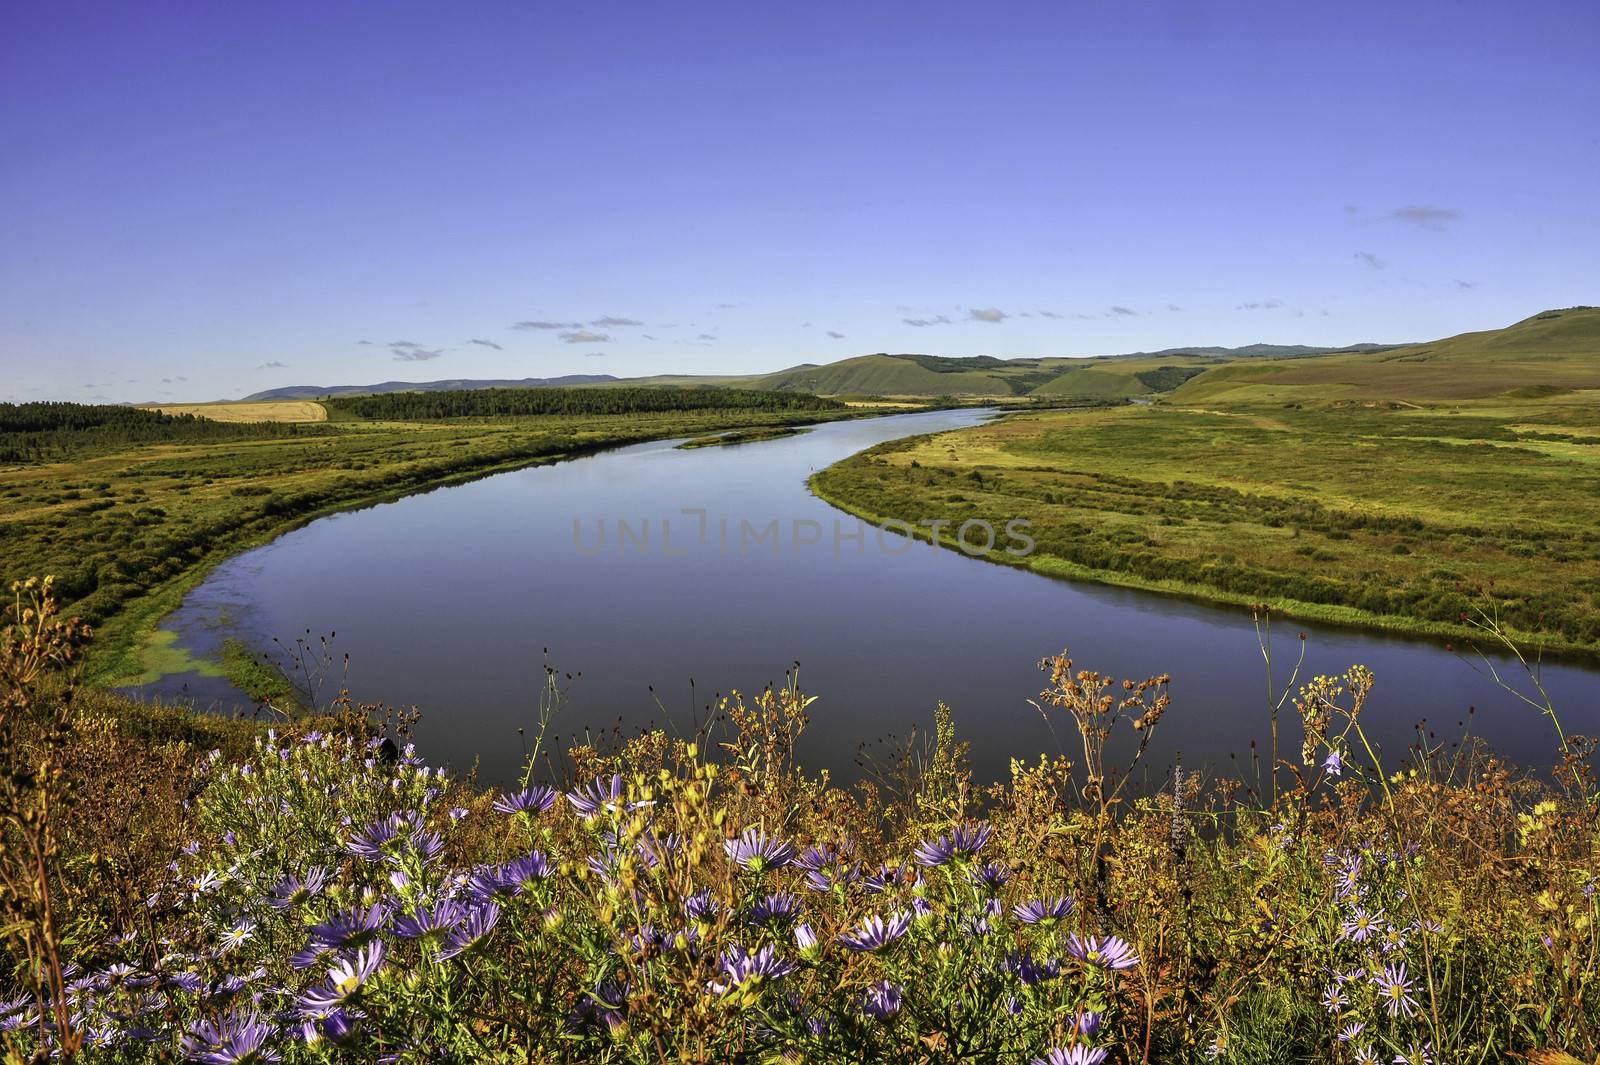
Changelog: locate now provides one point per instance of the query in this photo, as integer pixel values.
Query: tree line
(32, 432)
(500, 402)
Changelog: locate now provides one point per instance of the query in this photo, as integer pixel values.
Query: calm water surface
(448, 600)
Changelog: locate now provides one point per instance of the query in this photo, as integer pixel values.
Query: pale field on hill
(276, 410)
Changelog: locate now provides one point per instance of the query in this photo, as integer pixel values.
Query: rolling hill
(1551, 353)
(318, 391)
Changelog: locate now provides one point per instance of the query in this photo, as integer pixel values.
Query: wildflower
(1349, 1032)
(236, 936)
(755, 852)
(1415, 1054)
(1361, 926)
(234, 1040)
(1334, 999)
(779, 908)
(700, 906)
(805, 941)
(1078, 1055)
(989, 876)
(1089, 1022)
(884, 879)
(1365, 1055)
(1112, 952)
(959, 844)
(525, 872)
(470, 930)
(881, 1001)
(1334, 763)
(345, 980)
(292, 890)
(535, 800)
(874, 933)
(432, 923)
(739, 967)
(1043, 911)
(1395, 988)
(600, 796)
(334, 1025)
(351, 928)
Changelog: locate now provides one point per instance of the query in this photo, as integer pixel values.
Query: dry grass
(278, 410)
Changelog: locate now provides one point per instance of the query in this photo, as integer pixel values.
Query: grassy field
(283, 410)
(128, 529)
(1348, 503)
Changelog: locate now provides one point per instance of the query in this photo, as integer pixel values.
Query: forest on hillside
(35, 432)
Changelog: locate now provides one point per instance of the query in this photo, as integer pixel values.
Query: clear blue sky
(204, 199)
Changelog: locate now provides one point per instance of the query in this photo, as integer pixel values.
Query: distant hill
(317, 391)
(1551, 353)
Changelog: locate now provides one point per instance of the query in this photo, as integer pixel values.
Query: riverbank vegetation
(513, 402)
(129, 508)
(320, 893)
(741, 436)
(1386, 515)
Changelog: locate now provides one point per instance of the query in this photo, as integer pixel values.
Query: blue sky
(200, 200)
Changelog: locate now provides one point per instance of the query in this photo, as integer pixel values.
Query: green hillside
(1553, 353)
(916, 375)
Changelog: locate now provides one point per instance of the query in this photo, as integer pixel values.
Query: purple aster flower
(1349, 1032)
(1089, 1022)
(430, 923)
(1394, 988)
(700, 906)
(1415, 1054)
(380, 839)
(526, 872)
(754, 851)
(335, 1026)
(779, 908)
(1112, 952)
(534, 800)
(884, 879)
(1046, 911)
(1078, 1055)
(822, 855)
(234, 1040)
(1334, 1000)
(470, 930)
(1361, 926)
(600, 796)
(292, 890)
(959, 844)
(989, 876)
(805, 940)
(739, 967)
(351, 928)
(881, 1001)
(344, 983)
(874, 933)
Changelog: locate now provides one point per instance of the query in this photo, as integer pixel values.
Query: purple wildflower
(959, 845)
(1112, 952)
(739, 967)
(351, 928)
(779, 908)
(881, 1001)
(292, 890)
(1395, 989)
(428, 923)
(233, 1040)
(534, 800)
(1361, 926)
(1046, 911)
(470, 930)
(756, 852)
(1078, 1055)
(344, 983)
(990, 876)
(600, 796)
(874, 933)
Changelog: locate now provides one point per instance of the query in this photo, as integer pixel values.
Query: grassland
(1383, 492)
(128, 528)
(283, 410)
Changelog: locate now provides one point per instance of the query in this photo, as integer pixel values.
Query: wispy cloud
(364, 342)
(487, 344)
(1424, 217)
(584, 336)
(610, 322)
(705, 336)
(1263, 305)
(1124, 312)
(921, 323)
(836, 336)
(411, 351)
(1048, 314)
(1173, 307)
(1370, 259)
(546, 325)
(594, 354)
(273, 366)
(1467, 284)
(992, 315)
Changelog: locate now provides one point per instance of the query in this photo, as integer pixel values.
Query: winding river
(448, 600)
